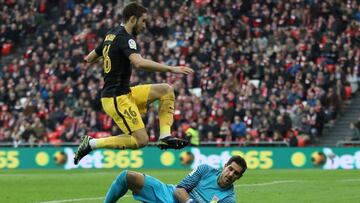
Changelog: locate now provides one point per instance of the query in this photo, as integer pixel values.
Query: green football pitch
(55, 186)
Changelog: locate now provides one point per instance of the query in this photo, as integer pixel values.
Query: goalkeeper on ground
(203, 185)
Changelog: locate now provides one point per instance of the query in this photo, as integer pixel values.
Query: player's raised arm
(145, 64)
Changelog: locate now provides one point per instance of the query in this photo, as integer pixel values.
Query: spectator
(249, 140)
(357, 124)
(256, 70)
(296, 116)
(278, 136)
(311, 120)
(352, 78)
(293, 141)
(193, 134)
(6, 138)
(225, 133)
(354, 133)
(238, 128)
(210, 137)
(264, 138)
(280, 126)
(214, 127)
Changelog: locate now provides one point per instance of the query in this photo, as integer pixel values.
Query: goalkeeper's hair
(239, 161)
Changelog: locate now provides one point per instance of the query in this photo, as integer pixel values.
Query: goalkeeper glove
(191, 201)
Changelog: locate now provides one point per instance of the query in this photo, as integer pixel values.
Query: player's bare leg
(165, 94)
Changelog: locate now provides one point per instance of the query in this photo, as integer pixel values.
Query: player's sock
(118, 188)
(166, 114)
(115, 142)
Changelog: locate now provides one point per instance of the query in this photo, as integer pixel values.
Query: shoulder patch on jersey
(132, 44)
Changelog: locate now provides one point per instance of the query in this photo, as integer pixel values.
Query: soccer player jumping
(124, 104)
(203, 185)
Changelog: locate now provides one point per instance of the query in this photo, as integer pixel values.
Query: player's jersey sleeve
(99, 49)
(193, 178)
(129, 46)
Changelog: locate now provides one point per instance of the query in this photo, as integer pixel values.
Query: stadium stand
(265, 71)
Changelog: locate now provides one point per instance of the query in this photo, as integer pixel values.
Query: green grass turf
(292, 186)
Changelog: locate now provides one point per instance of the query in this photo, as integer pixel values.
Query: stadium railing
(348, 144)
(203, 144)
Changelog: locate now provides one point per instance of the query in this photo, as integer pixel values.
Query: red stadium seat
(185, 127)
(53, 137)
(60, 129)
(55, 142)
(219, 142)
(253, 133)
(330, 68)
(348, 91)
(301, 142)
(6, 48)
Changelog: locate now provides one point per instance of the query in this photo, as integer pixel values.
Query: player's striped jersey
(201, 184)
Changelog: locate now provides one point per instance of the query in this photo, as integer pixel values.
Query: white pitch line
(82, 173)
(245, 185)
(349, 180)
(51, 174)
(268, 183)
(78, 200)
(73, 200)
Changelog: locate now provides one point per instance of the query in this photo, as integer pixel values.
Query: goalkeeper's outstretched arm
(183, 196)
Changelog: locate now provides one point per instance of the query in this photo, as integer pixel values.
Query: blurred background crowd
(265, 70)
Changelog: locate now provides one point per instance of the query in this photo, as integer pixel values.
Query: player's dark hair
(133, 9)
(239, 161)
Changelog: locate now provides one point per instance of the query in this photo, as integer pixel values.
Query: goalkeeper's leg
(125, 181)
(144, 188)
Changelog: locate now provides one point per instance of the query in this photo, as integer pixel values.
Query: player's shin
(115, 142)
(166, 114)
(118, 188)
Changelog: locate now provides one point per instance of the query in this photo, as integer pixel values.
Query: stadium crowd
(264, 70)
